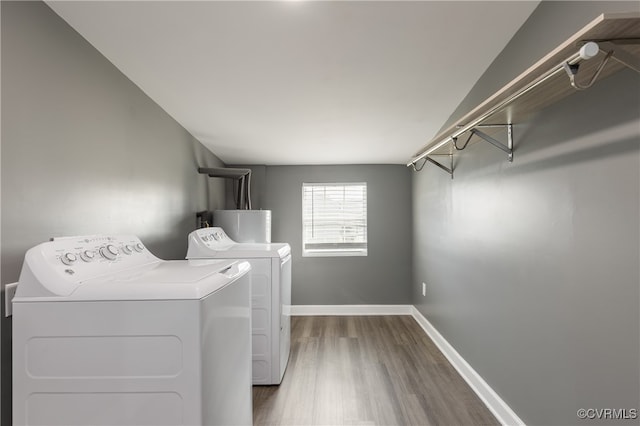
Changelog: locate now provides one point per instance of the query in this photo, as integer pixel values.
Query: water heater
(245, 226)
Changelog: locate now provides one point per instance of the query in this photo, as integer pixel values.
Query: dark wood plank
(367, 370)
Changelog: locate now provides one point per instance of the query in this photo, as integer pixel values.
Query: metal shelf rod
(573, 59)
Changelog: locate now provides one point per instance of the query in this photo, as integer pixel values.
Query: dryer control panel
(214, 238)
(59, 266)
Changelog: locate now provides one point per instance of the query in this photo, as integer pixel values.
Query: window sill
(334, 253)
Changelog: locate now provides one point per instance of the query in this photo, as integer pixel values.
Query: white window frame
(335, 251)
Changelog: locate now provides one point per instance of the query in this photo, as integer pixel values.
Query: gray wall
(85, 151)
(382, 277)
(532, 267)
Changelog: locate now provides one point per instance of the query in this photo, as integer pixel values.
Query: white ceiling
(286, 82)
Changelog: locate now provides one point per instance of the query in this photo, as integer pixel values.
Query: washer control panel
(64, 263)
(77, 250)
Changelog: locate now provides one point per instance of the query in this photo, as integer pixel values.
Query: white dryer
(105, 333)
(270, 296)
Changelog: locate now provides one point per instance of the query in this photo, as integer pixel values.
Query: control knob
(127, 249)
(88, 255)
(68, 258)
(110, 252)
(138, 247)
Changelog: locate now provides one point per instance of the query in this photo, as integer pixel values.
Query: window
(334, 219)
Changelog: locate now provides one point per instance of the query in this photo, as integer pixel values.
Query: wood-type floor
(366, 370)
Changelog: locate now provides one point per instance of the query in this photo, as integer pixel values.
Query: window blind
(334, 219)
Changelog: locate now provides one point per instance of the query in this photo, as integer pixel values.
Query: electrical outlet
(424, 289)
(9, 292)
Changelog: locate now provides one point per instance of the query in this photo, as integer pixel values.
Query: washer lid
(251, 251)
(166, 280)
(178, 272)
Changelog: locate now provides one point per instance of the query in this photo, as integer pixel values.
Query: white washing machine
(270, 296)
(105, 333)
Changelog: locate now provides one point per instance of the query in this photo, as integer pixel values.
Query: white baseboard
(308, 310)
(503, 413)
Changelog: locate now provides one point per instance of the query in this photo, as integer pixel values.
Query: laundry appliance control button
(68, 258)
(88, 255)
(110, 252)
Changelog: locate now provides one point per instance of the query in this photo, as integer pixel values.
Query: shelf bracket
(508, 148)
(620, 54)
(436, 163)
(587, 51)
